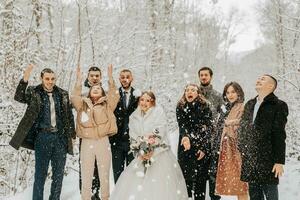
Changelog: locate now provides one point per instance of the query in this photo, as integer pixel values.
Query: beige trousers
(91, 149)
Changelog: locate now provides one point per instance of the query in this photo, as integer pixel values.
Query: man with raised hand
(120, 142)
(47, 127)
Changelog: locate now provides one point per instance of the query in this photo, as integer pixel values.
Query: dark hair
(94, 68)
(237, 88)
(200, 97)
(46, 70)
(150, 94)
(206, 68)
(274, 79)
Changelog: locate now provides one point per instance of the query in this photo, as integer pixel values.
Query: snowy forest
(163, 42)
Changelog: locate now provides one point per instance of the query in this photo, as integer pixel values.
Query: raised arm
(76, 97)
(113, 95)
(23, 94)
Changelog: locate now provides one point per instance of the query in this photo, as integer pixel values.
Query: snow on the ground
(289, 187)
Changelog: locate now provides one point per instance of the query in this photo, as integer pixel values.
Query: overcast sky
(250, 36)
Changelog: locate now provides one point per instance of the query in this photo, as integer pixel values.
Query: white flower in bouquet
(144, 146)
(141, 152)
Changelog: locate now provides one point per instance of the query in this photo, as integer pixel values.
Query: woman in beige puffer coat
(95, 123)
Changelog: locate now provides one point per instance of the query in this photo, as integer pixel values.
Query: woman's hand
(78, 75)
(147, 156)
(110, 72)
(201, 154)
(185, 141)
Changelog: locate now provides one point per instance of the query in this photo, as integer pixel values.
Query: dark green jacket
(26, 130)
(214, 98)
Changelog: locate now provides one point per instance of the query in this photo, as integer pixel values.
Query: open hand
(78, 73)
(201, 155)
(185, 141)
(110, 71)
(27, 72)
(278, 170)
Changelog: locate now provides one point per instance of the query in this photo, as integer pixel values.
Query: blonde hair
(150, 94)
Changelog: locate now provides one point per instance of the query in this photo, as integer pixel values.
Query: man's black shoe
(95, 197)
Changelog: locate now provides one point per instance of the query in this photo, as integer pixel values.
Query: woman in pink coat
(229, 166)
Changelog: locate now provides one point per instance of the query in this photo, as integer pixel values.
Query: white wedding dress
(163, 180)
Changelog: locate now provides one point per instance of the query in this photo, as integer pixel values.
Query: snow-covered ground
(289, 188)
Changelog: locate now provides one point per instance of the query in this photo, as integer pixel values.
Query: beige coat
(95, 120)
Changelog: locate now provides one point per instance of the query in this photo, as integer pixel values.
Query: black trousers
(96, 180)
(212, 187)
(198, 187)
(49, 148)
(120, 157)
(258, 191)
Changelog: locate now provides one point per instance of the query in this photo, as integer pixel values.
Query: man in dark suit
(46, 127)
(261, 140)
(120, 142)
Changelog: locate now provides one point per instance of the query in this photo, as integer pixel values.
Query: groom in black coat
(262, 140)
(120, 142)
(47, 127)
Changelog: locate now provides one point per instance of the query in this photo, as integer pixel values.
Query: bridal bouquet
(144, 146)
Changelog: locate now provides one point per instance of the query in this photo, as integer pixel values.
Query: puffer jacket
(95, 120)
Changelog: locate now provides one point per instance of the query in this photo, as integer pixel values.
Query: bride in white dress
(163, 180)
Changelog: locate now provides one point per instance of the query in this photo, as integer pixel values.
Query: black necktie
(52, 110)
(125, 99)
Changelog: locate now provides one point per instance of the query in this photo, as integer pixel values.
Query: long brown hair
(102, 90)
(85, 107)
(237, 88)
(200, 98)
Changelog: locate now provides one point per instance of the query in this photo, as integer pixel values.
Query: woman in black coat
(194, 118)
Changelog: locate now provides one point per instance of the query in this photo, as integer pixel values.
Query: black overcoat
(26, 130)
(262, 142)
(194, 121)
